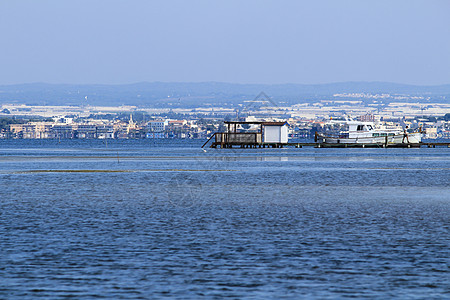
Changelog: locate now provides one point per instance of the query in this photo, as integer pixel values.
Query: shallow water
(156, 219)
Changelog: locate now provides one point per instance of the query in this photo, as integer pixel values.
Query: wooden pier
(253, 140)
(274, 135)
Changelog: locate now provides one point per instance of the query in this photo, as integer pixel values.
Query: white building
(275, 132)
(156, 126)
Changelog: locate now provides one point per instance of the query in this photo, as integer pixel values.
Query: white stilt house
(251, 134)
(275, 132)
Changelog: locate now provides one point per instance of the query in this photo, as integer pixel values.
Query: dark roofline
(257, 123)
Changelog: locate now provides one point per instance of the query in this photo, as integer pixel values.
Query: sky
(238, 41)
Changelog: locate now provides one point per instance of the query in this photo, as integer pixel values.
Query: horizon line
(225, 82)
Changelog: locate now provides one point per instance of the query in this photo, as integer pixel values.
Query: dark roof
(257, 123)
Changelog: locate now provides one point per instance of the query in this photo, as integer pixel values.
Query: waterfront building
(366, 118)
(86, 131)
(43, 130)
(28, 131)
(156, 126)
(16, 130)
(105, 131)
(177, 123)
(431, 133)
(155, 135)
(63, 131)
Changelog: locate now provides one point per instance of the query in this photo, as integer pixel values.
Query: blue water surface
(148, 219)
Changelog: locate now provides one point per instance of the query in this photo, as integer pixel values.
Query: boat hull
(410, 138)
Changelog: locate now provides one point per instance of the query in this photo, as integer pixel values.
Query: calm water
(143, 219)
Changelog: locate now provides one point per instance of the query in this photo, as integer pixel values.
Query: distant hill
(160, 94)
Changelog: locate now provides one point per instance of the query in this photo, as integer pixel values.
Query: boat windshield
(363, 127)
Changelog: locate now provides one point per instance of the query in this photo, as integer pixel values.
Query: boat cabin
(359, 129)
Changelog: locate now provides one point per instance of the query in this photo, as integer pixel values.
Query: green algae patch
(77, 171)
(116, 171)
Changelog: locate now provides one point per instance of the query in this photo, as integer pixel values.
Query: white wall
(284, 134)
(275, 134)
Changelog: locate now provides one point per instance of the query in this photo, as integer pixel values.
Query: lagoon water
(163, 219)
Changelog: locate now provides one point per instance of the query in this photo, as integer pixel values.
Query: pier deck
(323, 145)
(259, 139)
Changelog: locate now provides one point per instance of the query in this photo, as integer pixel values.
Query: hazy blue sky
(92, 41)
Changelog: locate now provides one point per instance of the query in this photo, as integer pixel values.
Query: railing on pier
(238, 138)
(226, 139)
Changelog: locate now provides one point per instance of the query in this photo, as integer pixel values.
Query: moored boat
(366, 133)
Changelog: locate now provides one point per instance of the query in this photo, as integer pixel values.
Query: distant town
(21, 121)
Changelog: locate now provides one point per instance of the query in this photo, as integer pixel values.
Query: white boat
(366, 133)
